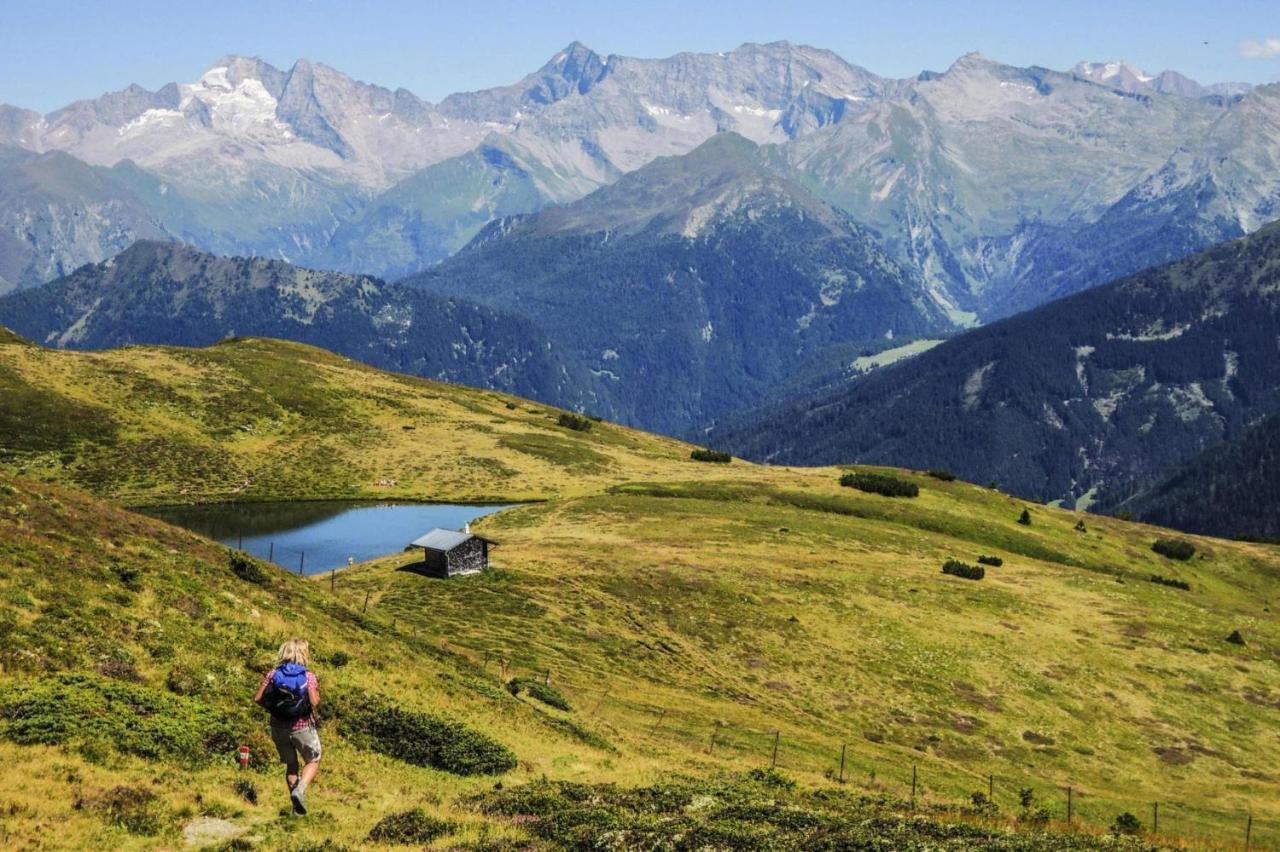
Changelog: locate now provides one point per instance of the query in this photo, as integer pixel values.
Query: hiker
(290, 694)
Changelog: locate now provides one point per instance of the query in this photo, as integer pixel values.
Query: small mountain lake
(321, 535)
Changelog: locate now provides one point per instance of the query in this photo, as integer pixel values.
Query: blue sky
(53, 52)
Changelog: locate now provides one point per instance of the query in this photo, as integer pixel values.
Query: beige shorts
(291, 745)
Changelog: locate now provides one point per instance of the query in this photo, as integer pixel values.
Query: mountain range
(1087, 400)
(691, 288)
(990, 182)
(168, 293)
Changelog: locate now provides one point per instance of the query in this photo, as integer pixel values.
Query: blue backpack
(287, 696)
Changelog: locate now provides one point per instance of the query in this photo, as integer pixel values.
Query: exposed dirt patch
(965, 724)
(969, 693)
(203, 831)
(1173, 755)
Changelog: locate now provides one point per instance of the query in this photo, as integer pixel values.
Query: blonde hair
(295, 651)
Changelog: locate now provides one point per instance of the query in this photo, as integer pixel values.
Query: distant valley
(1087, 400)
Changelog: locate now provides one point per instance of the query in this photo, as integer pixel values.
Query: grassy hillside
(262, 419)
(686, 614)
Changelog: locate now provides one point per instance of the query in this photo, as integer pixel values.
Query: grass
(688, 616)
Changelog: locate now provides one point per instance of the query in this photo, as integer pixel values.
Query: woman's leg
(309, 771)
(288, 752)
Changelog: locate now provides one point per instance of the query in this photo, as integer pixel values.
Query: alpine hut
(449, 553)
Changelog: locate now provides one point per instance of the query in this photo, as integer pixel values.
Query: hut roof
(444, 540)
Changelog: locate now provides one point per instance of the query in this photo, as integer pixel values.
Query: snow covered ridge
(313, 116)
(1124, 77)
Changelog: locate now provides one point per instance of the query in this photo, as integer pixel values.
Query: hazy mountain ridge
(695, 285)
(959, 171)
(55, 211)
(168, 293)
(1090, 398)
(1230, 490)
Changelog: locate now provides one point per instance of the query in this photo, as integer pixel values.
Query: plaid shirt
(302, 722)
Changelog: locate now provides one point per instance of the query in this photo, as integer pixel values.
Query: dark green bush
(1025, 518)
(540, 691)
(576, 422)
(339, 659)
(1126, 823)
(247, 790)
(1080, 527)
(182, 680)
(1171, 582)
(135, 809)
(247, 568)
(1235, 638)
(128, 576)
(956, 568)
(130, 718)
(993, 561)
(983, 806)
(758, 810)
(1174, 548)
(714, 456)
(942, 475)
(420, 739)
(409, 827)
(878, 483)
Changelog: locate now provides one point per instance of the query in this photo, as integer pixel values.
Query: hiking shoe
(299, 807)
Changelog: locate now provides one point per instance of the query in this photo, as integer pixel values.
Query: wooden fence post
(1248, 831)
(843, 746)
(1155, 817)
(1068, 806)
(913, 786)
(365, 609)
(715, 729)
(302, 558)
(271, 552)
(333, 581)
(991, 788)
(776, 736)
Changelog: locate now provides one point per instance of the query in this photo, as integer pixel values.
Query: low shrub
(130, 718)
(941, 475)
(993, 561)
(1025, 518)
(1126, 823)
(421, 739)
(414, 826)
(182, 680)
(1171, 582)
(983, 806)
(878, 483)
(714, 456)
(570, 728)
(247, 568)
(1174, 548)
(757, 810)
(576, 422)
(1235, 638)
(135, 809)
(247, 790)
(956, 568)
(339, 659)
(1080, 527)
(540, 691)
